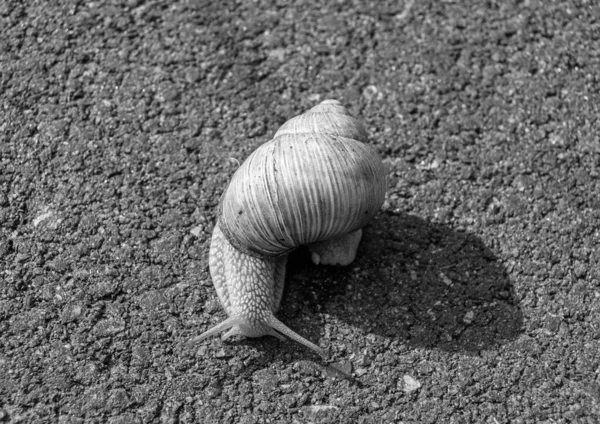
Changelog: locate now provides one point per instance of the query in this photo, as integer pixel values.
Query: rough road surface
(475, 297)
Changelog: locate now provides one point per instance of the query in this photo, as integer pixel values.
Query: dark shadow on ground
(420, 283)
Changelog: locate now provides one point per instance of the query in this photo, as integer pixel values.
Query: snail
(316, 183)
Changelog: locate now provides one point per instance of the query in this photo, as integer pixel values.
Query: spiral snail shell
(316, 183)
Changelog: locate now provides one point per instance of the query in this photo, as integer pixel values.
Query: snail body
(316, 183)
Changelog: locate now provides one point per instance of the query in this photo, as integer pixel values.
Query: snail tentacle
(228, 323)
(275, 324)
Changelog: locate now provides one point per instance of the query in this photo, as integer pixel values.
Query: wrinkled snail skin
(316, 183)
(250, 290)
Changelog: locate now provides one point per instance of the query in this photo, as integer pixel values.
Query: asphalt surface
(475, 297)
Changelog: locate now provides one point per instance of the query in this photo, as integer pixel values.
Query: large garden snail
(316, 183)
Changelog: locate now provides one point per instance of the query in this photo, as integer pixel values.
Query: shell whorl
(314, 180)
(328, 117)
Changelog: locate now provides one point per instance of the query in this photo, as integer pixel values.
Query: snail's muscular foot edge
(339, 250)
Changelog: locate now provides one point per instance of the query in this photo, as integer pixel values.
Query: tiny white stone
(410, 384)
(447, 281)
(44, 215)
(197, 230)
(468, 318)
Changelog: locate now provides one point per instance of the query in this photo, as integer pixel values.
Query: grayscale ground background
(476, 294)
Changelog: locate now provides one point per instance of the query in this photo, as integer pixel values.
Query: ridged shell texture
(314, 180)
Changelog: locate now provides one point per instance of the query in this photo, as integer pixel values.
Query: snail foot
(339, 250)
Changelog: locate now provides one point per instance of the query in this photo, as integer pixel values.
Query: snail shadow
(419, 283)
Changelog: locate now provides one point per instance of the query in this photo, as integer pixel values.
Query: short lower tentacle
(225, 325)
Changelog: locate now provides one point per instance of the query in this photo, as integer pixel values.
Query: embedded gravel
(475, 297)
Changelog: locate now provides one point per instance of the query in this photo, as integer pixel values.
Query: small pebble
(221, 354)
(341, 370)
(196, 231)
(360, 372)
(410, 384)
(447, 281)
